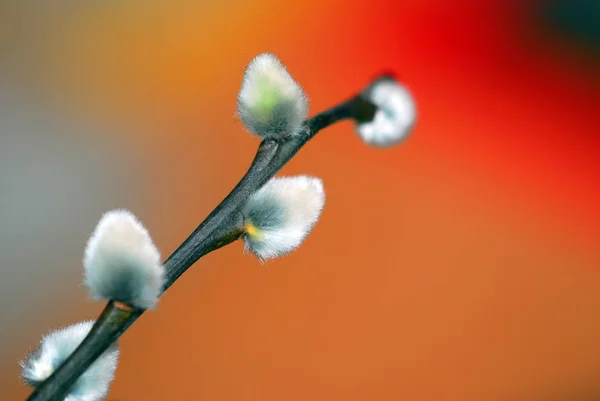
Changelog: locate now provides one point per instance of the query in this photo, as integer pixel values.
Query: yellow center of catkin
(253, 231)
(270, 97)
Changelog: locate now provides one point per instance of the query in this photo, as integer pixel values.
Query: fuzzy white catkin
(270, 102)
(394, 118)
(280, 215)
(55, 348)
(122, 263)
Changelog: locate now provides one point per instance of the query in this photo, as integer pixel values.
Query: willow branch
(222, 226)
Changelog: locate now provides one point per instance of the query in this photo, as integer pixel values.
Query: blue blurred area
(578, 20)
(58, 174)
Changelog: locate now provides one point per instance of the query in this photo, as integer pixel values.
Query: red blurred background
(461, 265)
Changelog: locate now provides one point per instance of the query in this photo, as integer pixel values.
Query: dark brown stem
(222, 226)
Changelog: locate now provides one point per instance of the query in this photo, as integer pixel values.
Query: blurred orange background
(460, 265)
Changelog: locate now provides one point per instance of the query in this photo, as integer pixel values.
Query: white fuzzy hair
(267, 80)
(394, 118)
(122, 263)
(284, 211)
(55, 348)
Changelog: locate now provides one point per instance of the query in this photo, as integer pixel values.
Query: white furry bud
(395, 116)
(280, 215)
(271, 103)
(122, 263)
(56, 347)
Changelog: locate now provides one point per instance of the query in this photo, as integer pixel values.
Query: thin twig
(222, 226)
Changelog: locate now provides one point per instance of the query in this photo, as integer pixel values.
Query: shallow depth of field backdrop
(462, 265)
